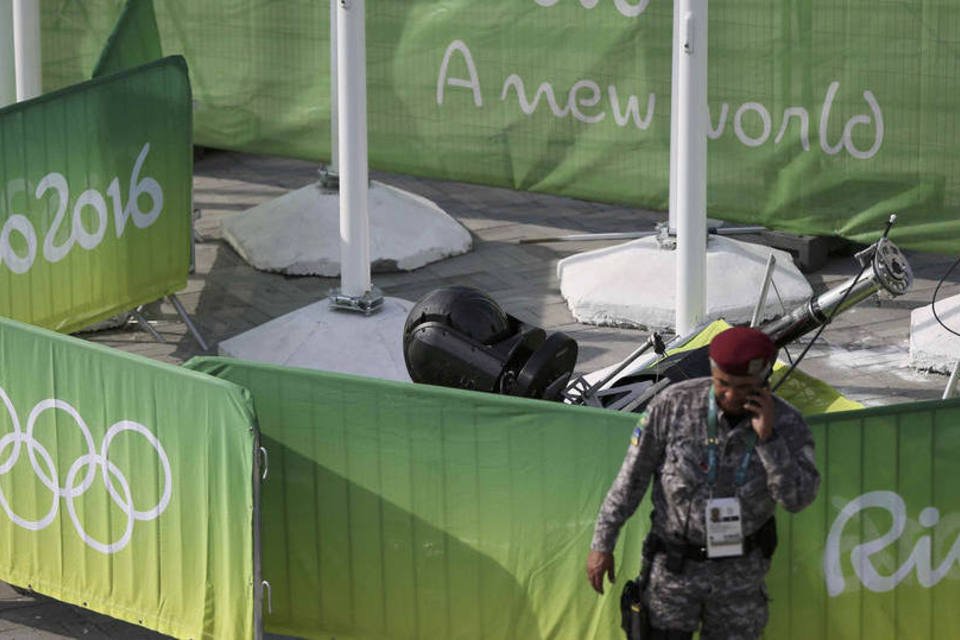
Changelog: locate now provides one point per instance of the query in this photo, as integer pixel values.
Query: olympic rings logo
(88, 463)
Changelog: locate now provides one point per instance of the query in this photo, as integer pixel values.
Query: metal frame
(764, 287)
(951, 387)
(142, 321)
(259, 584)
(368, 303)
(175, 301)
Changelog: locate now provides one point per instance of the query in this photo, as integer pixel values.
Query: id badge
(724, 528)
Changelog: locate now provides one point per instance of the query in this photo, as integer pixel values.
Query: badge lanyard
(713, 447)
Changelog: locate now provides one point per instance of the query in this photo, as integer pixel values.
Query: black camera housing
(460, 337)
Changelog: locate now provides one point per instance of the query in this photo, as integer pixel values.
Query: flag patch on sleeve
(641, 423)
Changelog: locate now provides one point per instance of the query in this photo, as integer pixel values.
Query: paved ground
(864, 353)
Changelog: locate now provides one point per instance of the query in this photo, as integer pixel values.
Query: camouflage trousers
(728, 597)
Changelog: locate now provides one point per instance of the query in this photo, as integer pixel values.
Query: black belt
(699, 552)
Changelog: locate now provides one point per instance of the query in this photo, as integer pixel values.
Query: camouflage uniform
(728, 595)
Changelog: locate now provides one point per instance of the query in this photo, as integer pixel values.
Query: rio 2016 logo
(866, 556)
(20, 260)
(20, 440)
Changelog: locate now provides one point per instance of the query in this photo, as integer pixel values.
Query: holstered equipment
(633, 615)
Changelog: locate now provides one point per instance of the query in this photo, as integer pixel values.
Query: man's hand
(760, 404)
(599, 564)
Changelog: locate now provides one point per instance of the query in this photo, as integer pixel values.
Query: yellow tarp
(806, 393)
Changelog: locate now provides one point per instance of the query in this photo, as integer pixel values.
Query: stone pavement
(863, 353)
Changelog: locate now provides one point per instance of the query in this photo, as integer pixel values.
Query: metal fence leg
(143, 322)
(186, 320)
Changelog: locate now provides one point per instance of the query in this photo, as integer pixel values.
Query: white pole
(334, 124)
(8, 77)
(352, 106)
(674, 121)
(690, 39)
(26, 43)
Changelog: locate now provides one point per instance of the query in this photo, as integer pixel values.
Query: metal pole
(578, 237)
(258, 451)
(639, 351)
(764, 286)
(352, 107)
(690, 42)
(175, 301)
(633, 235)
(330, 173)
(8, 75)
(674, 120)
(143, 322)
(356, 292)
(952, 383)
(334, 168)
(26, 43)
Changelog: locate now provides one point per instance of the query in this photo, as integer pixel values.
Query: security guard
(722, 451)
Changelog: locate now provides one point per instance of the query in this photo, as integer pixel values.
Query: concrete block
(634, 284)
(299, 232)
(932, 347)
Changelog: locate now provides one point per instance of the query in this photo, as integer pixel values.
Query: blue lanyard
(713, 446)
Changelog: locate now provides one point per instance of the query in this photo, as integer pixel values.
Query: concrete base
(932, 347)
(299, 232)
(634, 284)
(319, 337)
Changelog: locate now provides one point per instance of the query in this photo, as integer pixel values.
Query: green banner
(824, 117)
(126, 485)
(875, 557)
(135, 39)
(95, 197)
(408, 511)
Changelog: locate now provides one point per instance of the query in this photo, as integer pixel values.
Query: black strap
(669, 634)
(759, 539)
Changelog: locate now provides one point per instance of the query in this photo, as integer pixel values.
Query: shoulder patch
(635, 438)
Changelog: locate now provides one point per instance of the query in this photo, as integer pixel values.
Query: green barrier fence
(408, 511)
(126, 485)
(95, 197)
(876, 555)
(824, 117)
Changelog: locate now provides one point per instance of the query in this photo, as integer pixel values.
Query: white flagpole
(690, 112)
(26, 42)
(8, 76)
(674, 120)
(333, 169)
(356, 291)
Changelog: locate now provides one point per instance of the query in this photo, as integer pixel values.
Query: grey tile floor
(863, 353)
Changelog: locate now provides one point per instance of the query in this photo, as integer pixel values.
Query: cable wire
(886, 232)
(933, 301)
(823, 326)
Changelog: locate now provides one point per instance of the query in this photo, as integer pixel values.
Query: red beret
(742, 351)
